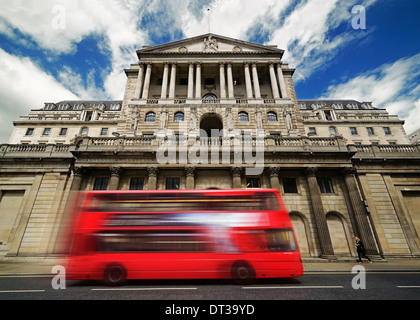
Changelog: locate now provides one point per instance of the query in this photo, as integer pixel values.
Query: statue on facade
(164, 118)
(229, 120)
(258, 118)
(288, 120)
(210, 44)
(193, 119)
(134, 119)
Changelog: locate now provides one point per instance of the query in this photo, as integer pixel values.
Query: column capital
(190, 171)
(152, 171)
(78, 171)
(236, 171)
(348, 171)
(311, 171)
(116, 171)
(273, 171)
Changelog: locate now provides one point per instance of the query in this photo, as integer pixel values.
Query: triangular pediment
(210, 43)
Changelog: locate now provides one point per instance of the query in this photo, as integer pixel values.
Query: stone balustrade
(270, 144)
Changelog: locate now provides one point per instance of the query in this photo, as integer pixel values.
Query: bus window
(281, 240)
(266, 201)
(151, 241)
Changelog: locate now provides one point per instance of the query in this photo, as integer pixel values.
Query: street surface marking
(297, 287)
(142, 289)
(21, 291)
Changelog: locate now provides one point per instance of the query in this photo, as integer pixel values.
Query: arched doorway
(211, 122)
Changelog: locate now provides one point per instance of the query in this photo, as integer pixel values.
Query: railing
(386, 151)
(36, 150)
(270, 144)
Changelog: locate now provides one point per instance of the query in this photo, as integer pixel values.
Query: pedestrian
(361, 250)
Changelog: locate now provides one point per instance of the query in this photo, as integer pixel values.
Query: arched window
(179, 117)
(151, 117)
(271, 116)
(243, 116)
(210, 98)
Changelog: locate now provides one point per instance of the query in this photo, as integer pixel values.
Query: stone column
(327, 250)
(173, 82)
(139, 84)
(190, 178)
(273, 173)
(273, 79)
(360, 216)
(282, 83)
(236, 176)
(230, 81)
(198, 81)
(78, 174)
(115, 178)
(190, 81)
(222, 81)
(256, 81)
(248, 82)
(147, 81)
(165, 81)
(153, 173)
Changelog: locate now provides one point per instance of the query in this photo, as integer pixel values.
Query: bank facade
(211, 112)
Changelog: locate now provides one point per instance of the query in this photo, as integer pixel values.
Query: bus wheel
(242, 273)
(115, 274)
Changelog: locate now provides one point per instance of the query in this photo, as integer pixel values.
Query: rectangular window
(172, 183)
(46, 132)
(100, 184)
(63, 131)
(289, 185)
(29, 132)
(312, 131)
(370, 131)
(353, 131)
(387, 130)
(253, 183)
(325, 185)
(104, 132)
(136, 183)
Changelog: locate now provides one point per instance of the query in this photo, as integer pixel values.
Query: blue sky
(54, 50)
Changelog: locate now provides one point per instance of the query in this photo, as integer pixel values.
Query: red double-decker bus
(207, 234)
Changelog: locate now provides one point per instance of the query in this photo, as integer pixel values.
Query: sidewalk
(44, 267)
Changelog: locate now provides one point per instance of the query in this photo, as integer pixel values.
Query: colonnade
(226, 78)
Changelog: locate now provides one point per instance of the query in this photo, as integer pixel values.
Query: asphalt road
(336, 286)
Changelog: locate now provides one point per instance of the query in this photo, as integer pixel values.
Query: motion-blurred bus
(196, 234)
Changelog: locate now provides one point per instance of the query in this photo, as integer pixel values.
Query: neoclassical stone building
(214, 112)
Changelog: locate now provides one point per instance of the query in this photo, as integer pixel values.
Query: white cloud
(307, 33)
(230, 18)
(23, 86)
(116, 20)
(392, 86)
